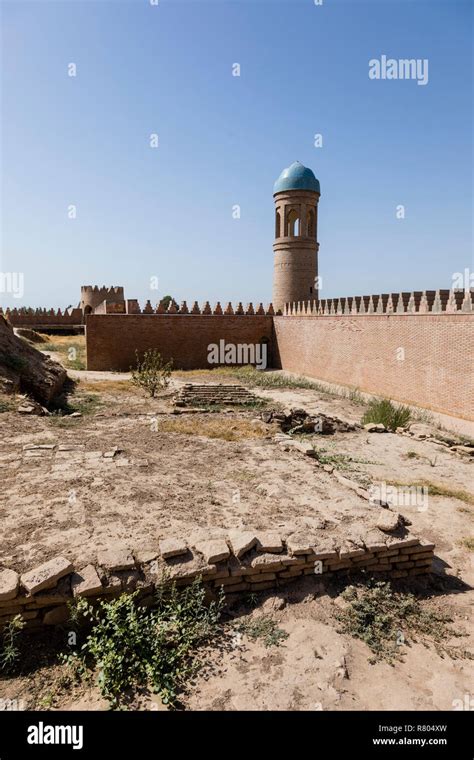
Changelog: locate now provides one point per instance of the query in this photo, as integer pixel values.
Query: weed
(468, 543)
(412, 455)
(10, 652)
(355, 396)
(383, 412)
(385, 619)
(342, 461)
(151, 372)
(265, 628)
(251, 599)
(132, 646)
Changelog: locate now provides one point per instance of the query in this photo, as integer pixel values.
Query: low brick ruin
(193, 394)
(239, 562)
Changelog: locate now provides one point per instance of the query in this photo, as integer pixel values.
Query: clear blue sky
(223, 140)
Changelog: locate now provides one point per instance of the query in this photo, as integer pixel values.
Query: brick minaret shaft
(295, 246)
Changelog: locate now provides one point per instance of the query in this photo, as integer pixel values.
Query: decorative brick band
(242, 561)
(416, 302)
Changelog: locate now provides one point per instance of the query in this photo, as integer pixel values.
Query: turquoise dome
(296, 177)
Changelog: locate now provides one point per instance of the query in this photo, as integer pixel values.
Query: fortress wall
(112, 338)
(361, 351)
(41, 318)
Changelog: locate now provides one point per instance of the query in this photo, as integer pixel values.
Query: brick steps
(196, 394)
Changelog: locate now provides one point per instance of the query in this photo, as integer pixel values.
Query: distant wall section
(420, 359)
(112, 339)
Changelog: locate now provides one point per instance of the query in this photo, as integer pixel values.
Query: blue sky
(223, 140)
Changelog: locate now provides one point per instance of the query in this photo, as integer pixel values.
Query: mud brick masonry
(240, 561)
(415, 347)
(424, 356)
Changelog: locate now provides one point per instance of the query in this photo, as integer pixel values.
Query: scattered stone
(9, 584)
(110, 454)
(387, 520)
(469, 450)
(214, 550)
(172, 547)
(372, 427)
(30, 409)
(241, 543)
(420, 430)
(86, 582)
(46, 575)
(116, 558)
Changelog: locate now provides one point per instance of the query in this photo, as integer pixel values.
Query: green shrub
(384, 412)
(132, 646)
(151, 372)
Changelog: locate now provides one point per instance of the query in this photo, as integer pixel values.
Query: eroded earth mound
(23, 368)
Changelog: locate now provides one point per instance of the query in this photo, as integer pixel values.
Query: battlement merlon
(415, 302)
(131, 306)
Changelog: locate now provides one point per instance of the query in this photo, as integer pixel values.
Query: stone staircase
(194, 394)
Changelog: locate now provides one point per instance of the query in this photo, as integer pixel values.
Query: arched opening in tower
(277, 224)
(293, 223)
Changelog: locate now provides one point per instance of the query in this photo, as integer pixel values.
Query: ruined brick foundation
(240, 562)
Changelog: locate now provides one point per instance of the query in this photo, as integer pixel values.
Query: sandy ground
(74, 502)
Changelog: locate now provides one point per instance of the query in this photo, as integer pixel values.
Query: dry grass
(468, 543)
(62, 344)
(436, 489)
(108, 386)
(224, 429)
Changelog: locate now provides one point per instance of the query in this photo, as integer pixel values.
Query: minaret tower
(296, 194)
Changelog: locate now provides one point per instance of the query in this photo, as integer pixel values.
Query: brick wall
(113, 338)
(360, 351)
